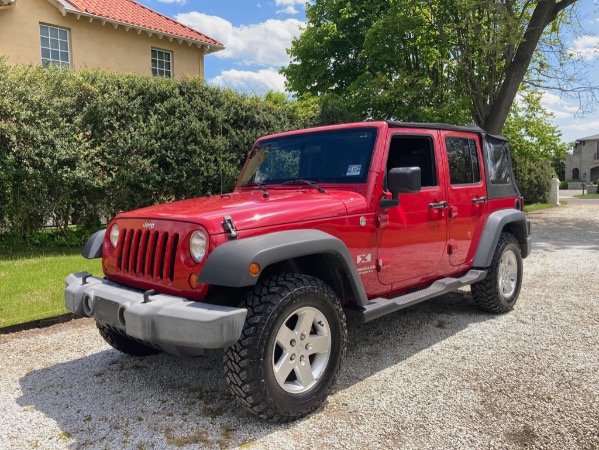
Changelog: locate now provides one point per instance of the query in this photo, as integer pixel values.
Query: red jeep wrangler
(361, 219)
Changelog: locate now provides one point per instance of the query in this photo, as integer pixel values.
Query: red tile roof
(136, 14)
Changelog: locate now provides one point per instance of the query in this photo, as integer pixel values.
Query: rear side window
(464, 167)
(498, 164)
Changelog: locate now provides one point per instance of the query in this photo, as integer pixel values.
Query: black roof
(442, 126)
(436, 126)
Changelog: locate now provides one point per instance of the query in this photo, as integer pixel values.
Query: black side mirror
(401, 180)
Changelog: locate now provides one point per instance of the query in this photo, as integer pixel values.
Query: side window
(414, 151)
(55, 46)
(464, 167)
(498, 165)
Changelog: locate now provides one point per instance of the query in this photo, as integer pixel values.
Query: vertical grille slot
(120, 249)
(141, 261)
(163, 255)
(153, 241)
(127, 250)
(134, 250)
(171, 274)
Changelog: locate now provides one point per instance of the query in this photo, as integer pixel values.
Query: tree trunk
(545, 12)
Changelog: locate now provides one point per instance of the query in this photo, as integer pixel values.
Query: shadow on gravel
(108, 400)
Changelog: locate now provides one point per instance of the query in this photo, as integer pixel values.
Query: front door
(466, 196)
(412, 237)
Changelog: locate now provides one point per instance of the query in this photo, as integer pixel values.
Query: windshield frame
(264, 142)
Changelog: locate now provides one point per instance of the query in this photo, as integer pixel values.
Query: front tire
(291, 348)
(499, 290)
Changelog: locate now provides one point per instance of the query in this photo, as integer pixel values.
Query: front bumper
(173, 324)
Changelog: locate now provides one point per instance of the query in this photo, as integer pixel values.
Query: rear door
(466, 194)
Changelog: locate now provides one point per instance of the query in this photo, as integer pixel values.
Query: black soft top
(444, 126)
(496, 155)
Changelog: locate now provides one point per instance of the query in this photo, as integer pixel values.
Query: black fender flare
(93, 246)
(228, 264)
(497, 221)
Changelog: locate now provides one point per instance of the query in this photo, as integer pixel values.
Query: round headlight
(114, 235)
(197, 246)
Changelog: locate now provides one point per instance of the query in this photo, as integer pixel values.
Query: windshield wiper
(261, 186)
(308, 182)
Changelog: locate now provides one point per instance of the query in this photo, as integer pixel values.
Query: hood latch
(229, 227)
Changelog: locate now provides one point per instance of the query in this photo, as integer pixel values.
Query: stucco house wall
(584, 160)
(94, 43)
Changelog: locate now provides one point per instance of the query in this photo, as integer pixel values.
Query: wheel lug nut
(302, 358)
(308, 347)
(303, 336)
(292, 357)
(292, 342)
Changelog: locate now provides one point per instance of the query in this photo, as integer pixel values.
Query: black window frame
(433, 156)
(478, 154)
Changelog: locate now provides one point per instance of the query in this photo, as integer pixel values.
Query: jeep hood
(249, 209)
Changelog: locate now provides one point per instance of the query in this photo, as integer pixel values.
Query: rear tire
(290, 350)
(125, 344)
(499, 290)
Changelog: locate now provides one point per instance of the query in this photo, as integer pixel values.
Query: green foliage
(536, 146)
(457, 61)
(80, 146)
(533, 179)
(530, 131)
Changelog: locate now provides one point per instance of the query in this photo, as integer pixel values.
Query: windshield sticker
(354, 170)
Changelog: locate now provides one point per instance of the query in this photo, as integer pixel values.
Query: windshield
(336, 156)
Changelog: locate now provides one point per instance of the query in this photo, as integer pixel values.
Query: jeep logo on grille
(149, 225)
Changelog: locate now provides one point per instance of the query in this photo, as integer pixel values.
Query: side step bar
(378, 307)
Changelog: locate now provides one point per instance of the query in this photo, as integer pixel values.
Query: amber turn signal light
(193, 281)
(254, 269)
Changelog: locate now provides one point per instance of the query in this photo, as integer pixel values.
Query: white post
(554, 194)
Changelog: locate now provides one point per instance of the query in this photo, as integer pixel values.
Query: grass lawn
(32, 283)
(587, 196)
(536, 206)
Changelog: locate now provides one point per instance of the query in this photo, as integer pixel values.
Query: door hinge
(382, 264)
(382, 220)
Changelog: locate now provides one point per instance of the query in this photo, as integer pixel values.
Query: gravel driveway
(439, 375)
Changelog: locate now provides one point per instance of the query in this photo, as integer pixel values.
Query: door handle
(479, 200)
(440, 205)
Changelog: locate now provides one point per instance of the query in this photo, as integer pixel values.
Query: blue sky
(257, 32)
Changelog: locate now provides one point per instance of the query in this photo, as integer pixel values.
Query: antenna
(220, 156)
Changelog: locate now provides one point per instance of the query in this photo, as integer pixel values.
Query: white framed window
(162, 63)
(55, 46)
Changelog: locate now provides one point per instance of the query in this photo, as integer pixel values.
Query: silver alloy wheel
(507, 279)
(301, 350)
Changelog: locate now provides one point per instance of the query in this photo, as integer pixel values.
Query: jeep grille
(147, 253)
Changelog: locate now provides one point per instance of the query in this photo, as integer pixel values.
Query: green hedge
(534, 179)
(77, 146)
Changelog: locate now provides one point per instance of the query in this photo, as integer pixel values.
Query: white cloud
(289, 10)
(289, 2)
(180, 2)
(585, 47)
(583, 125)
(262, 44)
(560, 108)
(251, 82)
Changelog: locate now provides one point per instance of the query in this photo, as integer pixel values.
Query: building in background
(583, 163)
(116, 35)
